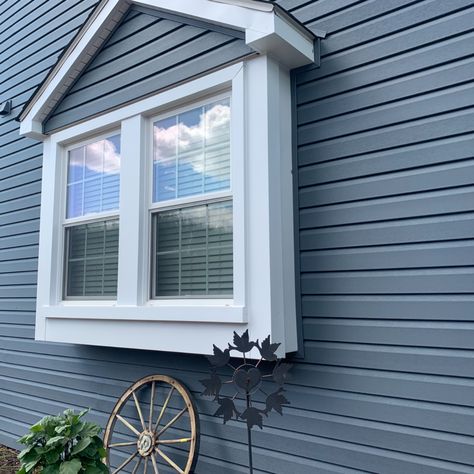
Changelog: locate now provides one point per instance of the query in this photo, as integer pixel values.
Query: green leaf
(57, 440)
(25, 452)
(29, 466)
(102, 452)
(21, 471)
(53, 456)
(93, 470)
(51, 469)
(70, 467)
(61, 429)
(84, 412)
(81, 445)
(89, 429)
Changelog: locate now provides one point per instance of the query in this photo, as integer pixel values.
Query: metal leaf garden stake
(246, 381)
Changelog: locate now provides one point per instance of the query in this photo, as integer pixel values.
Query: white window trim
(264, 298)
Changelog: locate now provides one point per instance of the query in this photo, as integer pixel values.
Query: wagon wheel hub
(146, 443)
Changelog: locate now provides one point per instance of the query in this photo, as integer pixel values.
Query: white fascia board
(66, 70)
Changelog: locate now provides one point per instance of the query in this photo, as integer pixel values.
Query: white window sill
(214, 311)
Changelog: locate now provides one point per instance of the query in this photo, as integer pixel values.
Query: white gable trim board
(267, 30)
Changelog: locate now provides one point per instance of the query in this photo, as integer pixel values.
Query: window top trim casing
(268, 30)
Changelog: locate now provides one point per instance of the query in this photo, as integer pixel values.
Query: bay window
(167, 224)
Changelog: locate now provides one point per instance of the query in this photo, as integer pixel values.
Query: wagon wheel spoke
(169, 461)
(163, 408)
(153, 461)
(139, 410)
(127, 424)
(152, 402)
(145, 469)
(135, 469)
(127, 461)
(118, 445)
(173, 421)
(174, 441)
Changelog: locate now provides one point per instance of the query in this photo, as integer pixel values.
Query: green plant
(63, 444)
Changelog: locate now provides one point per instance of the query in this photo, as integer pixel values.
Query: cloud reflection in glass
(93, 183)
(192, 152)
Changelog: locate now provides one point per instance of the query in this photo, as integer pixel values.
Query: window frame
(131, 122)
(236, 162)
(81, 220)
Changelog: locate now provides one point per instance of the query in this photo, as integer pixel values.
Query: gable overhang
(268, 30)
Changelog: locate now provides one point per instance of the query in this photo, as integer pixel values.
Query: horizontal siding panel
(382, 357)
(150, 59)
(428, 229)
(139, 46)
(402, 158)
(365, 66)
(402, 207)
(388, 91)
(388, 137)
(436, 255)
(424, 307)
(413, 181)
(448, 335)
(41, 22)
(355, 14)
(396, 25)
(17, 317)
(389, 282)
(402, 111)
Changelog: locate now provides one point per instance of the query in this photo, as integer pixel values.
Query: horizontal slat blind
(92, 260)
(194, 251)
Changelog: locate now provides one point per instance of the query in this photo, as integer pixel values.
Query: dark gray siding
(385, 141)
(146, 53)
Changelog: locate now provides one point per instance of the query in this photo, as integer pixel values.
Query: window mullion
(132, 218)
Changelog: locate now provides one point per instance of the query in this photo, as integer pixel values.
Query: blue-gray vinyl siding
(385, 160)
(145, 54)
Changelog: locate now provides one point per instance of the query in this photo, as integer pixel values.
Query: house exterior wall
(385, 224)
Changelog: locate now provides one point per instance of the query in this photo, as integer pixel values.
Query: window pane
(92, 259)
(192, 152)
(194, 251)
(94, 178)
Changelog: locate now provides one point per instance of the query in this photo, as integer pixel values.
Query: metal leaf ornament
(247, 380)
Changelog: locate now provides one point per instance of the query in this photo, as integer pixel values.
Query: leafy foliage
(63, 444)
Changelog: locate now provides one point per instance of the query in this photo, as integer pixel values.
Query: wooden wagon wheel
(158, 424)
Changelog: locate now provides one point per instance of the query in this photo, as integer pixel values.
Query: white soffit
(268, 30)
